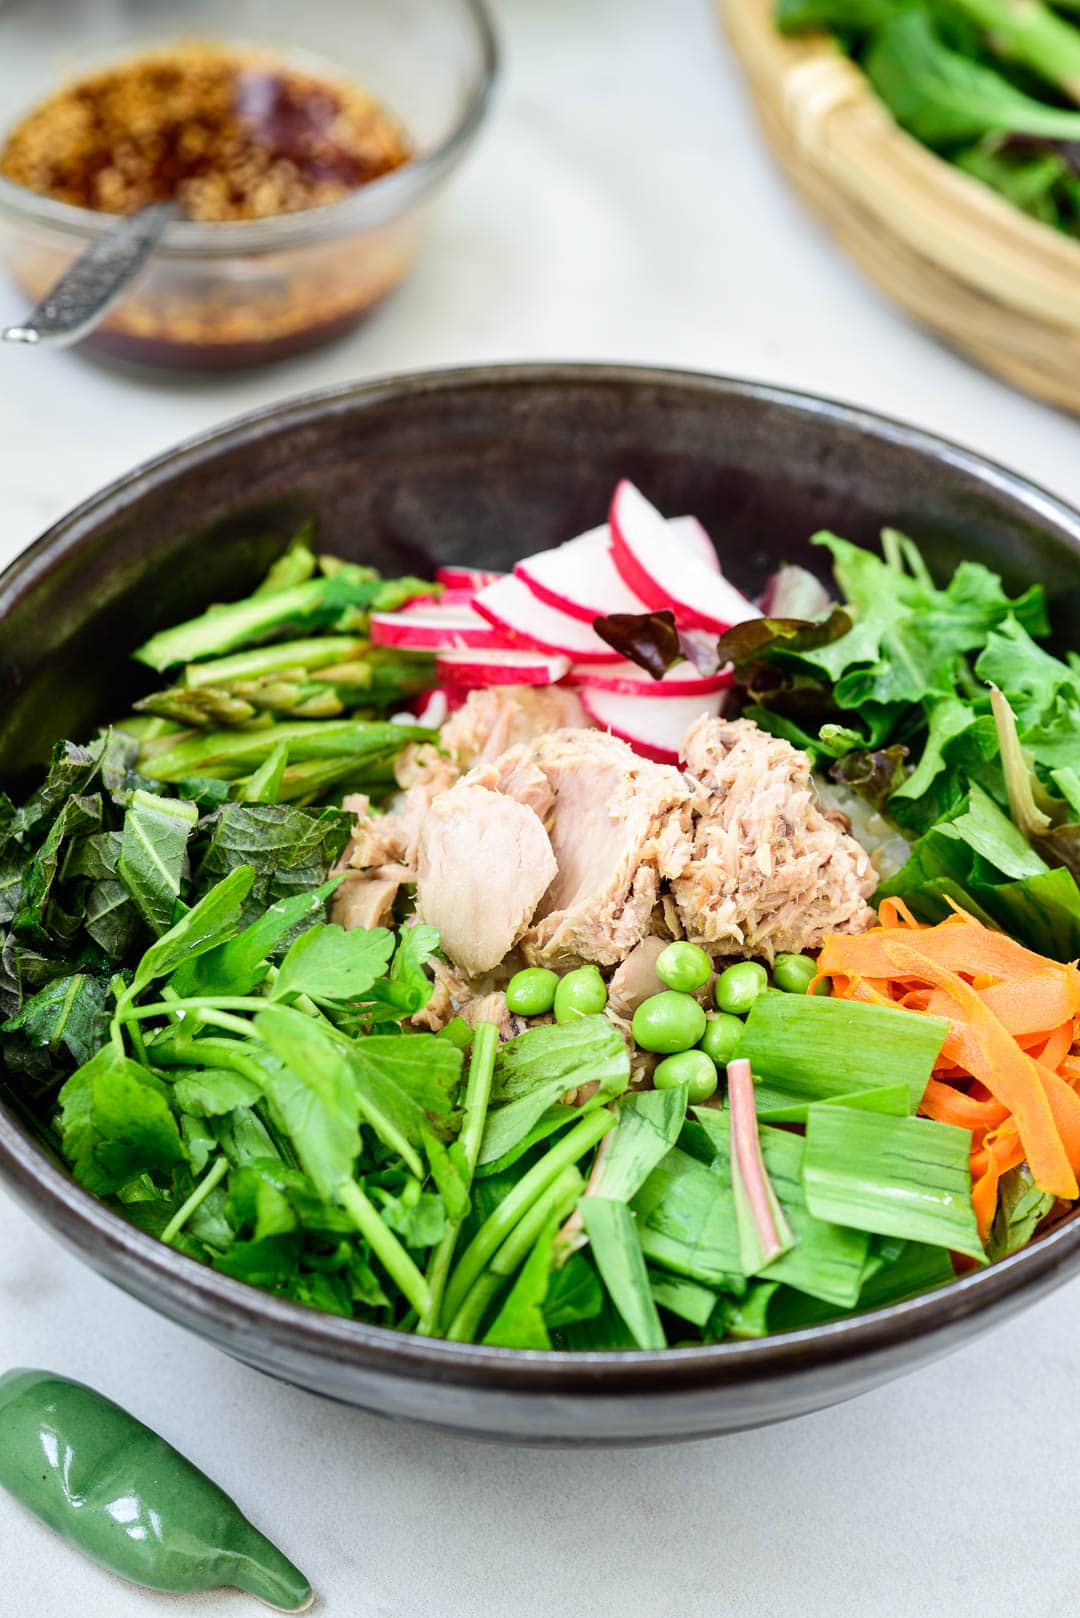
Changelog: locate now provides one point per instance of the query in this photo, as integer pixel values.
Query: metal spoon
(87, 291)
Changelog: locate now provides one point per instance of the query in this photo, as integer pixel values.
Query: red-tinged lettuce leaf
(649, 639)
(654, 642)
(874, 775)
(1067, 150)
(758, 637)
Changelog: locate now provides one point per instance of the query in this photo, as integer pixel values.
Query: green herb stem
(466, 1323)
(555, 1204)
(209, 1180)
(200, 1003)
(497, 1227)
(385, 1245)
(477, 1096)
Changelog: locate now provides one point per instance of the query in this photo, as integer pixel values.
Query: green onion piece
(686, 1220)
(648, 1127)
(827, 1260)
(812, 1049)
(687, 1299)
(613, 1239)
(906, 1177)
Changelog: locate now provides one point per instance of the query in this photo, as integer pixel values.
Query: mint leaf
(152, 854)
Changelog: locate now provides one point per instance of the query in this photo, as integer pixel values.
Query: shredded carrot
(895, 913)
(984, 1046)
(999, 1153)
(961, 946)
(1057, 1047)
(951, 1106)
(1009, 1068)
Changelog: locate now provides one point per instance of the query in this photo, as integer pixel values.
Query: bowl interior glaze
(481, 467)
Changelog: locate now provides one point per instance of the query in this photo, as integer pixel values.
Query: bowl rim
(194, 1292)
(379, 202)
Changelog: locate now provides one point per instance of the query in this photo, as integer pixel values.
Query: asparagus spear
(227, 754)
(319, 652)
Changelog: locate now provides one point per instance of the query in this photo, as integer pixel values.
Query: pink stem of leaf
(747, 1149)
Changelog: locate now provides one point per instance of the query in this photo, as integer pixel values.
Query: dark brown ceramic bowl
(483, 466)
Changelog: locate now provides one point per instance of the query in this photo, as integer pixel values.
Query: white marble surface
(619, 207)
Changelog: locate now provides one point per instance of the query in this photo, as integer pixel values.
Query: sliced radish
(665, 576)
(467, 579)
(682, 680)
(436, 629)
(445, 598)
(654, 726)
(696, 536)
(432, 707)
(511, 606)
(580, 578)
(500, 668)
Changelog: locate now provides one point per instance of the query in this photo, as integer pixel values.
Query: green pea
(531, 993)
(668, 1022)
(683, 966)
(739, 986)
(793, 973)
(692, 1068)
(721, 1037)
(72, 1457)
(580, 993)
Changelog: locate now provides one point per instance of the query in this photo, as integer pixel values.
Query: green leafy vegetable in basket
(992, 87)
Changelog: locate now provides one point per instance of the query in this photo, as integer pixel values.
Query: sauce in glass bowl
(238, 136)
(229, 133)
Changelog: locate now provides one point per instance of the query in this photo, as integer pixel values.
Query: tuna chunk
(480, 732)
(367, 901)
(517, 775)
(769, 871)
(635, 979)
(619, 825)
(492, 721)
(484, 861)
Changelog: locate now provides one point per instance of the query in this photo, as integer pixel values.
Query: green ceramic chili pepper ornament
(127, 1499)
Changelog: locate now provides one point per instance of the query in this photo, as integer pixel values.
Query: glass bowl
(240, 293)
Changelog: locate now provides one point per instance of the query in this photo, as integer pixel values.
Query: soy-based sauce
(227, 132)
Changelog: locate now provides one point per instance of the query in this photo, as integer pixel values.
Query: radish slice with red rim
(467, 579)
(511, 606)
(500, 668)
(654, 726)
(580, 578)
(436, 629)
(682, 680)
(695, 536)
(663, 575)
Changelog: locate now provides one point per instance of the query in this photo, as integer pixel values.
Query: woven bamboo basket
(989, 280)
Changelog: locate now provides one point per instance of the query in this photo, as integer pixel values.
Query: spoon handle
(87, 291)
